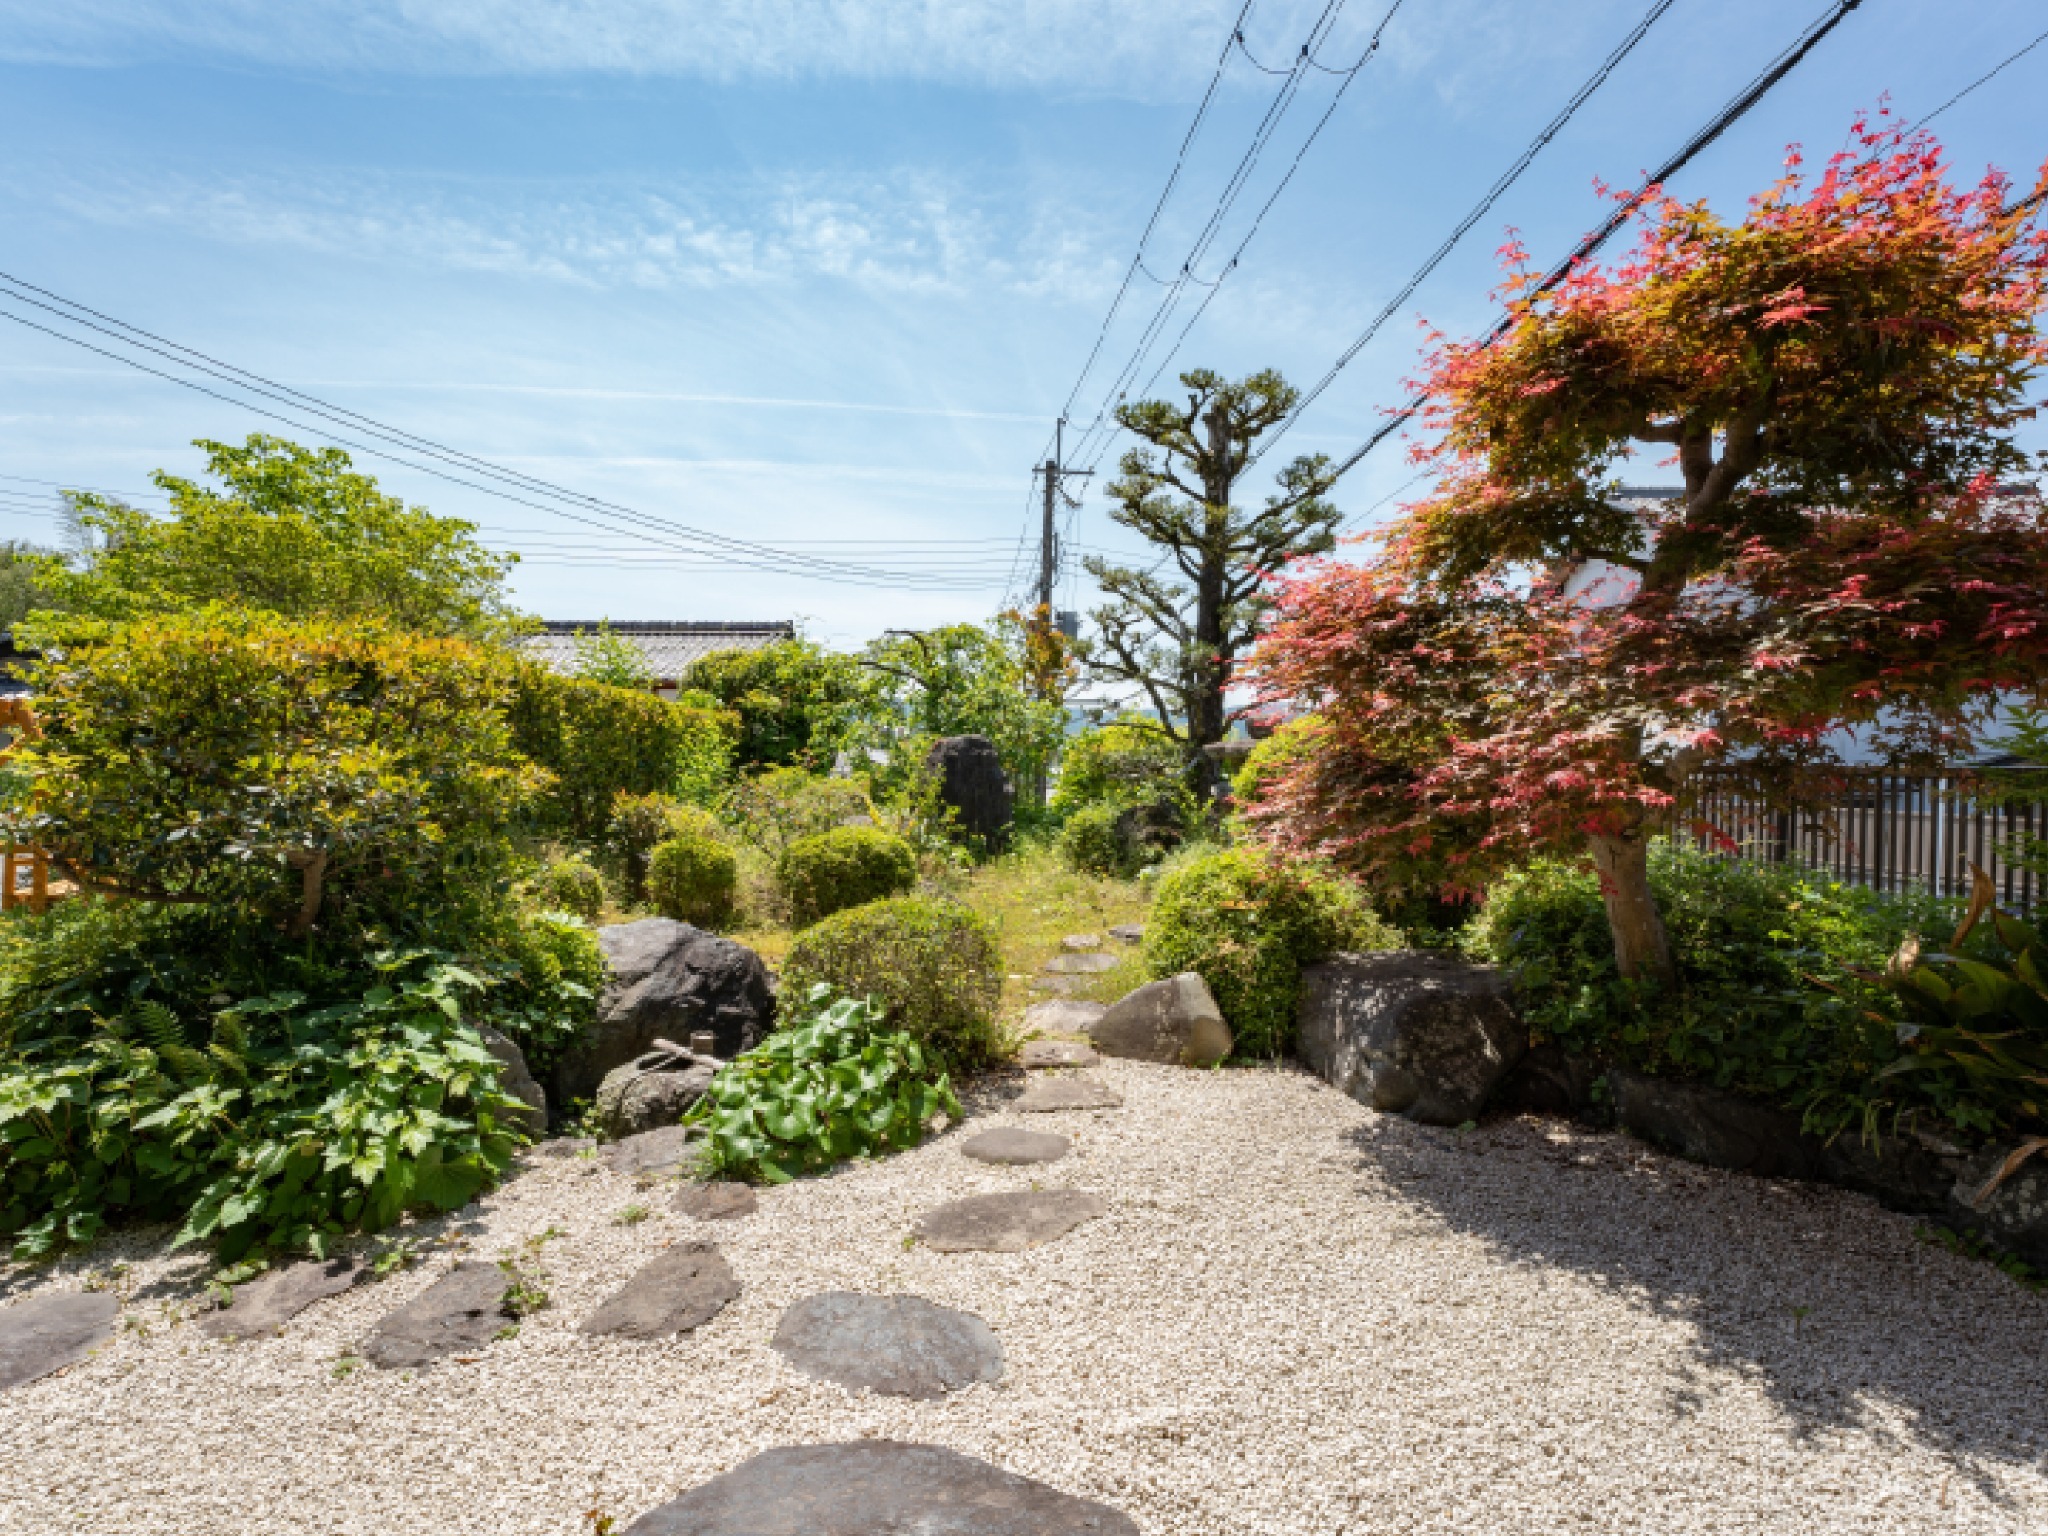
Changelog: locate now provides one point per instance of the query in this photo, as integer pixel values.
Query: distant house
(670, 645)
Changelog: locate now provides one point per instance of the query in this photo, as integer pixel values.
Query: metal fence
(1877, 828)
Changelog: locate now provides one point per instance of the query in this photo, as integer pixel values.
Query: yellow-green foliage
(935, 966)
(1291, 743)
(692, 878)
(572, 886)
(1247, 921)
(602, 742)
(842, 868)
(1123, 763)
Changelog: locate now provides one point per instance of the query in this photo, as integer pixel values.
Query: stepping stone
(722, 1201)
(457, 1315)
(876, 1488)
(1007, 1223)
(1050, 1093)
(1058, 1053)
(1066, 1016)
(1081, 965)
(1008, 1145)
(48, 1332)
(682, 1289)
(903, 1346)
(562, 1146)
(1082, 941)
(267, 1304)
(1064, 986)
(1128, 933)
(654, 1154)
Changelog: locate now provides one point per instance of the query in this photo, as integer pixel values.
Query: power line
(1983, 79)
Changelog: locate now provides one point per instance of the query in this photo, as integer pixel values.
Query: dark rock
(1912, 1171)
(1080, 965)
(1064, 1017)
(1412, 1032)
(1012, 1147)
(266, 1304)
(1148, 833)
(48, 1332)
(2014, 1215)
(1007, 1223)
(1046, 1094)
(654, 1154)
(721, 1201)
(1547, 1081)
(682, 1289)
(517, 1081)
(1175, 1022)
(902, 1346)
(1710, 1125)
(458, 1314)
(644, 1094)
(1128, 933)
(876, 1488)
(971, 780)
(1058, 1053)
(667, 980)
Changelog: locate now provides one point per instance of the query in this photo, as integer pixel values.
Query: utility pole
(1048, 540)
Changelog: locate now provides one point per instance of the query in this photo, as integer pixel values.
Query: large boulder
(1710, 1125)
(1412, 1032)
(971, 780)
(649, 1091)
(2005, 1202)
(1175, 1021)
(667, 980)
(517, 1081)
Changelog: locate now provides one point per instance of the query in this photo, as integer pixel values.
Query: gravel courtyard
(1296, 1317)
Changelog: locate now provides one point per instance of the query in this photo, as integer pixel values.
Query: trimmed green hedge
(831, 871)
(601, 742)
(573, 886)
(693, 878)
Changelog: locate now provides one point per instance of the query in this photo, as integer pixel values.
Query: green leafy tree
(1177, 635)
(289, 531)
(798, 704)
(609, 657)
(25, 573)
(966, 680)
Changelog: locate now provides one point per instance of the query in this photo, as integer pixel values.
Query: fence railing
(1882, 829)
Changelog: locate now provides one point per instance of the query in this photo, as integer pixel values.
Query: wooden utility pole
(1048, 540)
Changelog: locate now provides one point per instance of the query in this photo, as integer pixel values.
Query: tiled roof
(669, 645)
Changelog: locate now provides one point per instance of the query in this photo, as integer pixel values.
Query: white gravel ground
(1298, 1317)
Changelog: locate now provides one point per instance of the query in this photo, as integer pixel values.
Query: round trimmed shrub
(845, 867)
(933, 965)
(1247, 921)
(572, 886)
(692, 878)
(1090, 843)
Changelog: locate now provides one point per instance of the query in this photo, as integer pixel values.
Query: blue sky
(820, 274)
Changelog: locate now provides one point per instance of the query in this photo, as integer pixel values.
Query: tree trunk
(1642, 949)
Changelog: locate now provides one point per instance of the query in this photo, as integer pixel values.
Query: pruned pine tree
(1178, 627)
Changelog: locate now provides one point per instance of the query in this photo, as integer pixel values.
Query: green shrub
(1291, 743)
(639, 822)
(1247, 921)
(934, 966)
(829, 1086)
(692, 878)
(1779, 995)
(1123, 763)
(831, 871)
(1089, 842)
(772, 810)
(795, 703)
(571, 885)
(545, 974)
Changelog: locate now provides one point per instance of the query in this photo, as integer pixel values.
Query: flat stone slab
(654, 1154)
(1066, 1016)
(1058, 1053)
(722, 1201)
(266, 1304)
(1045, 1094)
(1128, 933)
(1064, 986)
(1081, 941)
(1008, 1145)
(48, 1332)
(1007, 1223)
(682, 1289)
(1081, 965)
(876, 1488)
(458, 1314)
(903, 1346)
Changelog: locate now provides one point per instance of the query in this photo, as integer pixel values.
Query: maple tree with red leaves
(1840, 374)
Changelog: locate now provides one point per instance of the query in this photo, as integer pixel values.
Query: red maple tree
(1840, 374)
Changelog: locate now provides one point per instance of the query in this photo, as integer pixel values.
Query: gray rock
(1175, 1021)
(517, 1081)
(1081, 941)
(1710, 1125)
(1007, 1223)
(2014, 1216)
(266, 1304)
(667, 980)
(655, 1154)
(1012, 1147)
(721, 1201)
(876, 1488)
(1080, 965)
(1062, 986)
(1058, 1053)
(643, 1095)
(682, 1289)
(564, 1146)
(1128, 933)
(1413, 1032)
(1065, 1016)
(901, 1346)
(1045, 1094)
(971, 780)
(48, 1332)
(460, 1313)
